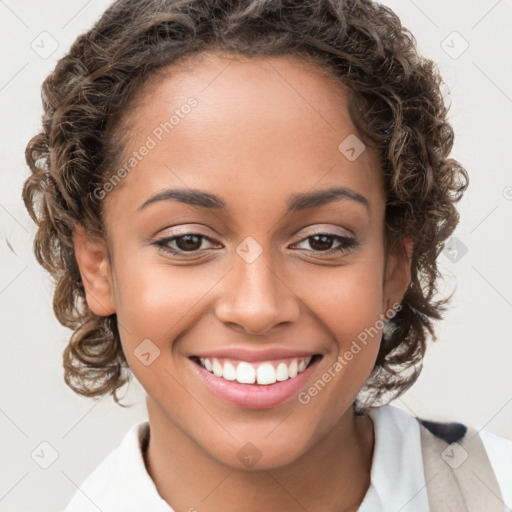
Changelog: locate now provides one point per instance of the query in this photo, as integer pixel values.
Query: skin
(264, 129)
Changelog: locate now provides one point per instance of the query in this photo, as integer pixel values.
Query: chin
(255, 455)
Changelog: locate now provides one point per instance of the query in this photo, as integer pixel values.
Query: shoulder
(499, 451)
(497, 448)
(120, 481)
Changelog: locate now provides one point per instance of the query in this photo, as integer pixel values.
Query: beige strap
(459, 475)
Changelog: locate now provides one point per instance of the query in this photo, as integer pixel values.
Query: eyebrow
(296, 202)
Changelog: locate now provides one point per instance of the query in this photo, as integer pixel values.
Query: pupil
(325, 240)
(193, 239)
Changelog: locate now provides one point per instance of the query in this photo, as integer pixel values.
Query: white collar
(397, 475)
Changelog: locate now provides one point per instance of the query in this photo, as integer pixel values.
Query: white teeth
(282, 372)
(245, 374)
(261, 373)
(229, 371)
(293, 369)
(266, 374)
(217, 368)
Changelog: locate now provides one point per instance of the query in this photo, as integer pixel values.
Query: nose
(255, 298)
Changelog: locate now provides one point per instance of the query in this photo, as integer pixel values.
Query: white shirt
(121, 483)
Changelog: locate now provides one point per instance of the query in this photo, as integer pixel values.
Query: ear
(398, 272)
(92, 258)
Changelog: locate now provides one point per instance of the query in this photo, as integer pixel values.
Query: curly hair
(395, 101)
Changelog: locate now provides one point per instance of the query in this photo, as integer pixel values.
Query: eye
(322, 242)
(192, 243)
(184, 243)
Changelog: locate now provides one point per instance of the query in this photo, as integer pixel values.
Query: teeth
(266, 374)
(282, 372)
(293, 369)
(229, 372)
(245, 373)
(262, 373)
(217, 368)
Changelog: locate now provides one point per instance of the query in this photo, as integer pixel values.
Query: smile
(255, 381)
(262, 373)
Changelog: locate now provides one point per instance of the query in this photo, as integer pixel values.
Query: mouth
(254, 384)
(262, 373)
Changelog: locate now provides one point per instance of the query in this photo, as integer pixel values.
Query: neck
(333, 475)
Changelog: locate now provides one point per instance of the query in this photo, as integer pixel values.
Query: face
(261, 271)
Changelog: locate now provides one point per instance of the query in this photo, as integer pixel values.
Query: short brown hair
(396, 103)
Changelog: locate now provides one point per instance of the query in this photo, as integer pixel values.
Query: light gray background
(466, 375)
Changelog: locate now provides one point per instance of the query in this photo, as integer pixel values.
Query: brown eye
(180, 244)
(323, 242)
(188, 242)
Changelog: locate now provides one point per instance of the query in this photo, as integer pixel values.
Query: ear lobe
(398, 272)
(92, 259)
(408, 245)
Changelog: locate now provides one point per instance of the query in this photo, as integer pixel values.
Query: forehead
(245, 127)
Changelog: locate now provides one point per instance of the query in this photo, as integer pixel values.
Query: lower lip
(255, 396)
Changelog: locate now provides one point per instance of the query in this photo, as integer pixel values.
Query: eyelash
(346, 243)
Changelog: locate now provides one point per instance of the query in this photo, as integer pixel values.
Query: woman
(243, 204)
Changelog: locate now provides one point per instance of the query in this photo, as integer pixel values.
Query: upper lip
(244, 354)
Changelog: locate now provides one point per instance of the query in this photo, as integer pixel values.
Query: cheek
(158, 301)
(349, 304)
(153, 300)
(348, 299)
(155, 303)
